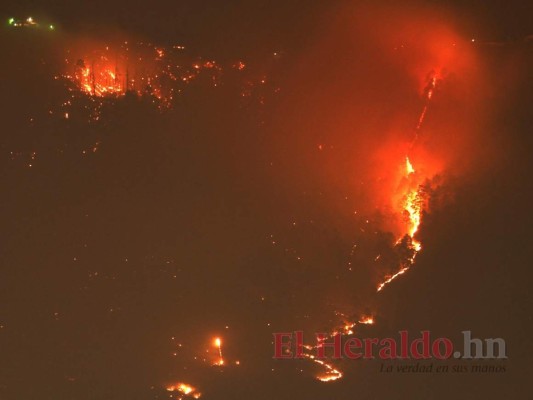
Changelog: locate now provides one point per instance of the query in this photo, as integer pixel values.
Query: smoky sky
(238, 215)
(243, 26)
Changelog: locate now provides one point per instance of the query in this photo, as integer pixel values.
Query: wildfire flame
(412, 207)
(185, 389)
(98, 81)
(409, 167)
(367, 321)
(412, 204)
(331, 374)
(218, 344)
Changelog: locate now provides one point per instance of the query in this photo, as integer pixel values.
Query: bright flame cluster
(98, 82)
(413, 208)
(412, 197)
(139, 68)
(218, 344)
(185, 389)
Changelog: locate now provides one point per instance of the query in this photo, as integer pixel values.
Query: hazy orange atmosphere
(185, 184)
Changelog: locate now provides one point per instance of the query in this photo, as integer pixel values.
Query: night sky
(175, 172)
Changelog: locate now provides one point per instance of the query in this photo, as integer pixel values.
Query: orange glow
(218, 344)
(391, 278)
(408, 166)
(367, 321)
(411, 197)
(412, 203)
(143, 69)
(99, 81)
(348, 328)
(412, 207)
(331, 374)
(184, 389)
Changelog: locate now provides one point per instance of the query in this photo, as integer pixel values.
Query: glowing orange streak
(391, 278)
(412, 205)
(422, 116)
(414, 211)
(332, 374)
(218, 344)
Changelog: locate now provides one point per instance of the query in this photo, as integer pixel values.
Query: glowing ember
(157, 74)
(391, 278)
(429, 91)
(98, 81)
(331, 374)
(367, 321)
(185, 389)
(348, 328)
(218, 344)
